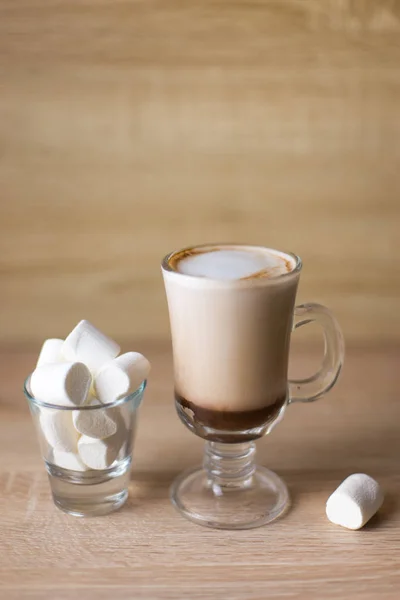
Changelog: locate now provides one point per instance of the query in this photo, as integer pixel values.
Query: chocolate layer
(224, 420)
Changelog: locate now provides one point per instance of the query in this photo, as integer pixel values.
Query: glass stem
(229, 467)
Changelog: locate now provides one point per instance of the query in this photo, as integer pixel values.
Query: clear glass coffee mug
(232, 337)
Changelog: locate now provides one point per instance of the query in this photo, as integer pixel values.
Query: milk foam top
(232, 262)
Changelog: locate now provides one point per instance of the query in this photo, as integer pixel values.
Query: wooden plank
(128, 129)
(147, 551)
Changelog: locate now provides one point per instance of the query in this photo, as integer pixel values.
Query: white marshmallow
(87, 344)
(354, 502)
(121, 376)
(99, 454)
(68, 460)
(65, 384)
(58, 429)
(50, 352)
(96, 423)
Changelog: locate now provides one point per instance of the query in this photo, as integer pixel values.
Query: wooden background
(129, 128)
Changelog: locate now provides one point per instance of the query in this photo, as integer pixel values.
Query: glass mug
(230, 341)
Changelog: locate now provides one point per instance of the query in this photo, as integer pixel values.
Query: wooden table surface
(147, 550)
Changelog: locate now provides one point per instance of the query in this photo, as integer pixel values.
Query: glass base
(89, 493)
(260, 499)
(81, 508)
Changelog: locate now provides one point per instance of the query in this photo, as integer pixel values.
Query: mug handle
(315, 386)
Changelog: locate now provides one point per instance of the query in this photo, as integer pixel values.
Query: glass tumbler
(88, 476)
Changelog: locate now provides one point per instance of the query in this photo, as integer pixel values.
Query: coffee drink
(231, 311)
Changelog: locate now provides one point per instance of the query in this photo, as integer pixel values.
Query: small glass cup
(78, 489)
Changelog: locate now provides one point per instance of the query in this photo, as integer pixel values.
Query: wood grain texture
(129, 128)
(147, 551)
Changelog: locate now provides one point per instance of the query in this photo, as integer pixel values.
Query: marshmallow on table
(50, 352)
(58, 429)
(354, 502)
(65, 384)
(68, 460)
(121, 376)
(87, 344)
